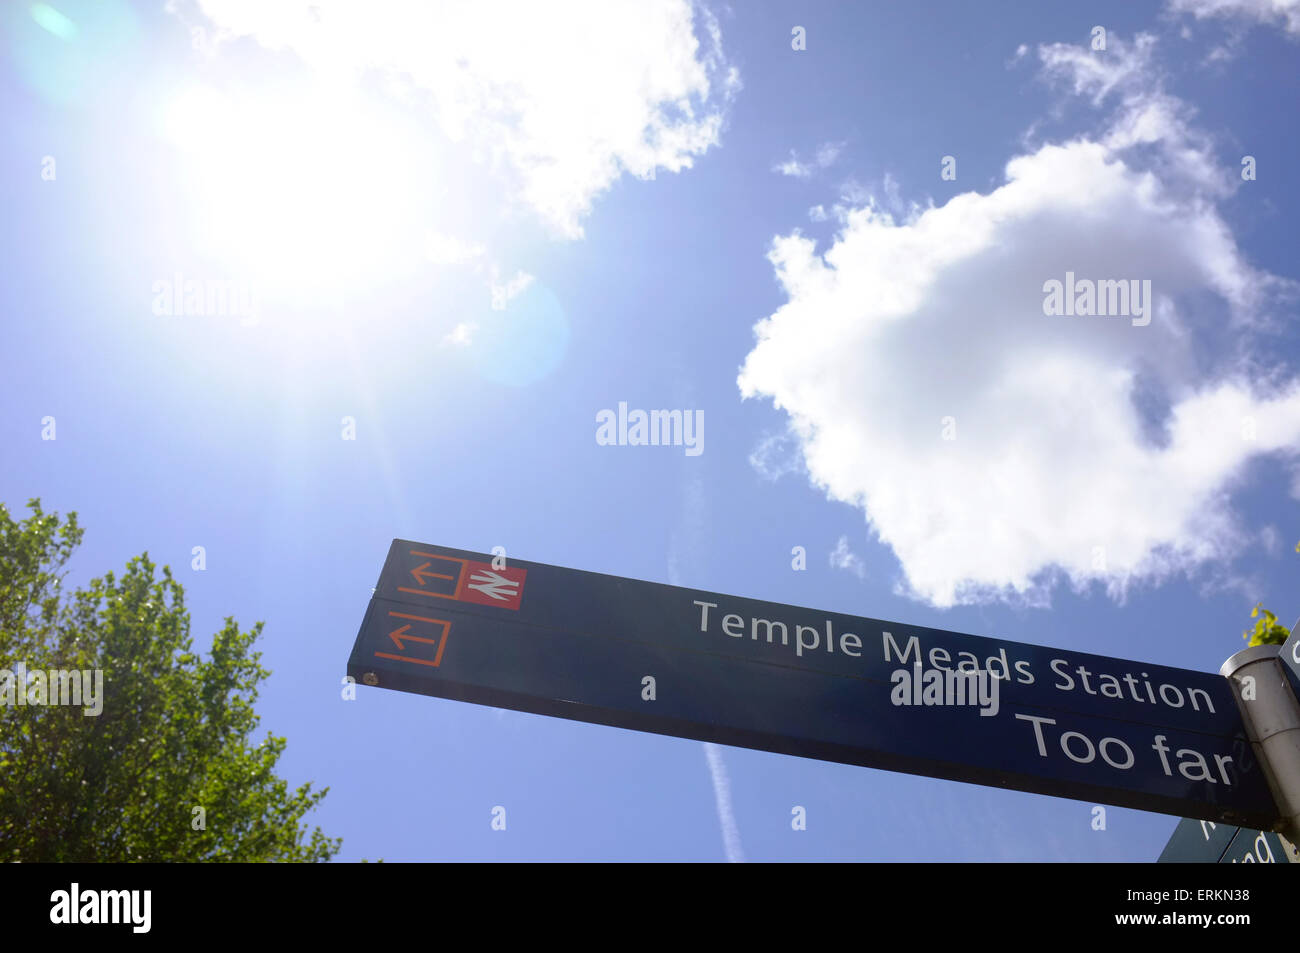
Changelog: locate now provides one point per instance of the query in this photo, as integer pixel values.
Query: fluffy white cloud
(1145, 115)
(995, 448)
(559, 98)
(1126, 65)
(1284, 13)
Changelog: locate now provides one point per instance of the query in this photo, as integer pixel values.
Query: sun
(301, 191)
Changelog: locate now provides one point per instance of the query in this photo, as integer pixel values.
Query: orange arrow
(400, 634)
(422, 572)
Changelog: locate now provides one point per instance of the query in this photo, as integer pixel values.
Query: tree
(168, 770)
(1266, 630)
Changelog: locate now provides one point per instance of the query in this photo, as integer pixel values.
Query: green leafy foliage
(1266, 630)
(175, 732)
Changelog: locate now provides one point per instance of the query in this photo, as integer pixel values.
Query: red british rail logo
(449, 577)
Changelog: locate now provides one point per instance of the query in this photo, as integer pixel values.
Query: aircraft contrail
(689, 532)
(722, 794)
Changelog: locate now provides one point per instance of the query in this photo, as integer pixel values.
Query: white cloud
(450, 250)
(462, 335)
(1124, 65)
(1063, 464)
(886, 200)
(503, 293)
(1283, 13)
(828, 152)
(560, 99)
(824, 158)
(776, 455)
(1145, 115)
(794, 168)
(844, 558)
(854, 193)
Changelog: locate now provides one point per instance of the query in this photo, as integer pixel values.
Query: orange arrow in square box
(403, 634)
(472, 581)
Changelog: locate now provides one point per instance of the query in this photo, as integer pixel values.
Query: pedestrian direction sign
(739, 671)
(1198, 842)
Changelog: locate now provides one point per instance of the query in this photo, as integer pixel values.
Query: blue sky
(469, 232)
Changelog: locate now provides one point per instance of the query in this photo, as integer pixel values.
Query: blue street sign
(1198, 842)
(1258, 847)
(1204, 842)
(799, 681)
(1290, 656)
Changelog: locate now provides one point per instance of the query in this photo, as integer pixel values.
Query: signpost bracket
(1271, 716)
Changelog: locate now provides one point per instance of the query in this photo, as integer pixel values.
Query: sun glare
(302, 192)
